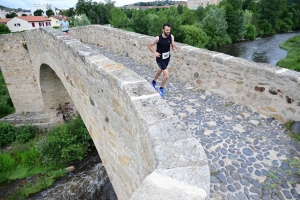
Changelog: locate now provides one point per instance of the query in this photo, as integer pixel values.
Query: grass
(292, 60)
(43, 157)
(6, 105)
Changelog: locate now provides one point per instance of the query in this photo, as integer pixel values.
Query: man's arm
(61, 24)
(173, 44)
(153, 42)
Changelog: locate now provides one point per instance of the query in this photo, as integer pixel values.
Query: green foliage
(266, 28)
(118, 18)
(6, 105)
(81, 21)
(252, 6)
(97, 13)
(7, 133)
(42, 182)
(292, 60)
(200, 13)
(188, 17)
(38, 12)
(180, 9)
(11, 15)
(289, 124)
(140, 22)
(65, 143)
(285, 25)
(24, 15)
(215, 27)
(4, 29)
(49, 12)
(194, 36)
(7, 163)
(236, 22)
(270, 11)
(250, 32)
(25, 133)
(56, 27)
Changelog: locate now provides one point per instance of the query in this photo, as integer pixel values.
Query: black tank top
(163, 47)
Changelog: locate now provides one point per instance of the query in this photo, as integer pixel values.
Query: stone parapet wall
(137, 143)
(18, 73)
(268, 89)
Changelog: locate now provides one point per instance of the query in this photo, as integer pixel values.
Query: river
(88, 181)
(264, 49)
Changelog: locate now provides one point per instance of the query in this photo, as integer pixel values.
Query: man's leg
(165, 78)
(157, 74)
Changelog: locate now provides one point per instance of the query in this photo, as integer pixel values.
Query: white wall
(24, 25)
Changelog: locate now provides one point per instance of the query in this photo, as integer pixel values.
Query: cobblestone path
(250, 155)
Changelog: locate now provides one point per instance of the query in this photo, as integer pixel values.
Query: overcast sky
(62, 4)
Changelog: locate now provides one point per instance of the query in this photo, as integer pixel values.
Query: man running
(64, 24)
(162, 55)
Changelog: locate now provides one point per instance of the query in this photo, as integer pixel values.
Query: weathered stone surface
(296, 127)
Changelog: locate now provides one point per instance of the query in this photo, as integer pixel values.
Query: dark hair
(166, 24)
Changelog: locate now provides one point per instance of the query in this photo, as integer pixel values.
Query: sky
(61, 4)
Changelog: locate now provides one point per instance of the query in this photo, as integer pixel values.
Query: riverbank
(292, 60)
(38, 158)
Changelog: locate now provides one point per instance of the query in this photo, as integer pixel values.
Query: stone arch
(54, 93)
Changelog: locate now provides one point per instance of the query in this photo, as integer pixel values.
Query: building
(43, 7)
(4, 21)
(194, 4)
(27, 22)
(56, 19)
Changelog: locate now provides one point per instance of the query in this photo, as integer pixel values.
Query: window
(18, 24)
(48, 23)
(33, 24)
(41, 23)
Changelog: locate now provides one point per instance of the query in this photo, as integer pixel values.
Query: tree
(215, 26)
(38, 12)
(200, 13)
(236, 23)
(49, 13)
(24, 15)
(270, 10)
(194, 36)
(180, 9)
(11, 15)
(81, 21)
(140, 22)
(4, 29)
(118, 18)
(188, 17)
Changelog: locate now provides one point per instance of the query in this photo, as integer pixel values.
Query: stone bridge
(148, 150)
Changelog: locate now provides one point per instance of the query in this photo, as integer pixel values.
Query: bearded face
(166, 31)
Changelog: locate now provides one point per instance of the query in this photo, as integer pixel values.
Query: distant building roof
(4, 21)
(59, 17)
(34, 18)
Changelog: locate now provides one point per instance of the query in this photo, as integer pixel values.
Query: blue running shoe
(153, 84)
(161, 92)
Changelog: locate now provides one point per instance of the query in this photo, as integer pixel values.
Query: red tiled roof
(4, 21)
(59, 17)
(34, 18)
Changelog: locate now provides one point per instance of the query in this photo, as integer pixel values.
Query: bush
(6, 162)
(250, 32)
(4, 29)
(65, 143)
(56, 27)
(25, 134)
(7, 133)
